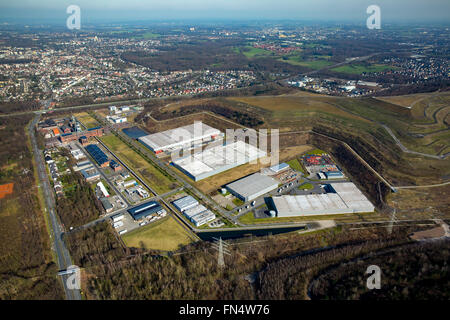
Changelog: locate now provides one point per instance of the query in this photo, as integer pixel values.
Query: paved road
(62, 254)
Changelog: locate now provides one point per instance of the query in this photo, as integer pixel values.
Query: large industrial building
(185, 203)
(195, 212)
(252, 187)
(98, 155)
(178, 138)
(218, 159)
(144, 210)
(341, 198)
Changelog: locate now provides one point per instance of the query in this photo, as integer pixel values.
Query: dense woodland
(412, 272)
(26, 267)
(79, 204)
(270, 268)
(18, 106)
(212, 55)
(244, 117)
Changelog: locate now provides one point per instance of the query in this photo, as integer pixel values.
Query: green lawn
(249, 218)
(165, 234)
(358, 68)
(307, 186)
(146, 171)
(238, 202)
(251, 52)
(296, 165)
(312, 64)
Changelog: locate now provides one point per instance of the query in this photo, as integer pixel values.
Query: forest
(27, 270)
(18, 106)
(79, 204)
(243, 117)
(271, 267)
(417, 271)
(212, 55)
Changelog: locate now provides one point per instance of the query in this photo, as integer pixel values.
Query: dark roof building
(106, 204)
(98, 155)
(114, 165)
(144, 210)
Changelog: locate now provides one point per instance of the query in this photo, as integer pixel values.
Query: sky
(103, 11)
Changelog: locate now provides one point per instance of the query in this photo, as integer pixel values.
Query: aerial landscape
(220, 155)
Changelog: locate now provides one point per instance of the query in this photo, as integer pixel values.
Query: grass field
(306, 186)
(289, 108)
(295, 164)
(312, 64)
(146, 171)
(87, 120)
(165, 234)
(359, 69)
(251, 52)
(249, 218)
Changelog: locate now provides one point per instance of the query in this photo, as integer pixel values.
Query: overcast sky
(34, 11)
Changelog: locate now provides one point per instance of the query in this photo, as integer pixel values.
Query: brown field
(404, 101)
(218, 122)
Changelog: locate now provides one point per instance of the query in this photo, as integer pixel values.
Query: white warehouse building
(185, 203)
(252, 187)
(178, 138)
(342, 198)
(218, 159)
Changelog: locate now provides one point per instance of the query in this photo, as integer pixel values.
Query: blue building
(334, 174)
(144, 210)
(98, 155)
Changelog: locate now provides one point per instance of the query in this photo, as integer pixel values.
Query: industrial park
(190, 153)
(225, 155)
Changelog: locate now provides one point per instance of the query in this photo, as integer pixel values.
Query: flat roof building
(178, 138)
(189, 213)
(334, 174)
(90, 174)
(279, 167)
(98, 155)
(202, 218)
(218, 159)
(342, 198)
(103, 189)
(144, 210)
(185, 203)
(252, 186)
(106, 204)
